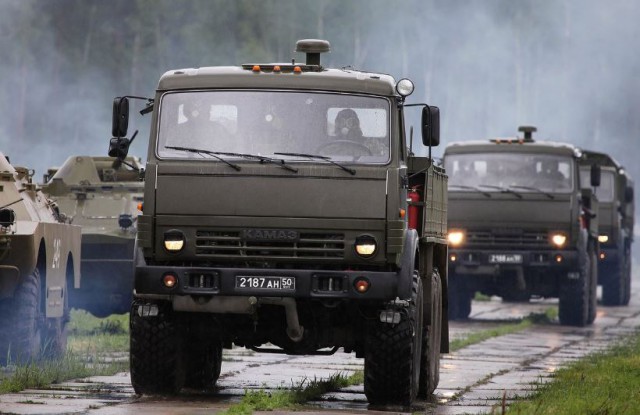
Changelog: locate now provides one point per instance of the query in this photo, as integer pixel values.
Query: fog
(569, 67)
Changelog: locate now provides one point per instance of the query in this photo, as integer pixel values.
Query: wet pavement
(477, 379)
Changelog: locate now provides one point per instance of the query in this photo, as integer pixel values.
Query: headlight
(173, 241)
(366, 246)
(404, 87)
(603, 239)
(456, 238)
(558, 239)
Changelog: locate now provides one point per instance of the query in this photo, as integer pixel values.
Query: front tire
(574, 296)
(393, 353)
(459, 299)
(156, 357)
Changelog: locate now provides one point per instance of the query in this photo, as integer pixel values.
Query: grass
(508, 328)
(90, 338)
(291, 399)
(603, 383)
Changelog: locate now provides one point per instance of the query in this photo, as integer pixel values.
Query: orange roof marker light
(276, 68)
(297, 69)
(256, 68)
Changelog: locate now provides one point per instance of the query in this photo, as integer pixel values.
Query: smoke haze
(569, 67)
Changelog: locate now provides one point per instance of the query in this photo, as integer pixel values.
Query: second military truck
(522, 224)
(276, 218)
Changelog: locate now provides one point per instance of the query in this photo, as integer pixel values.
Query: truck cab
(276, 218)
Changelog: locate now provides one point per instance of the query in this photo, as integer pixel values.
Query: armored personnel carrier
(101, 194)
(615, 226)
(39, 266)
(276, 218)
(521, 223)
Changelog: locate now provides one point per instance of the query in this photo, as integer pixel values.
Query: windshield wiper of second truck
(318, 157)
(502, 189)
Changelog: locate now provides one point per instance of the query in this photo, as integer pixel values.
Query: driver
(348, 126)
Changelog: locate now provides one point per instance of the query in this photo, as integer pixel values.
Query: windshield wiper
(201, 152)
(502, 189)
(462, 186)
(318, 157)
(263, 159)
(535, 189)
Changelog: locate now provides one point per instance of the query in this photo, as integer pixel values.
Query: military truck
(615, 231)
(39, 265)
(521, 224)
(276, 218)
(101, 194)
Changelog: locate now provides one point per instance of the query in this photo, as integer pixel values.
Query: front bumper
(478, 261)
(222, 282)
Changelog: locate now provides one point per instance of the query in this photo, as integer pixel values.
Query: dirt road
(473, 380)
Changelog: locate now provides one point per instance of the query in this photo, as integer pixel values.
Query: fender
(407, 264)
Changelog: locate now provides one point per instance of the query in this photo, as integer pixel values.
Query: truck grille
(512, 239)
(229, 244)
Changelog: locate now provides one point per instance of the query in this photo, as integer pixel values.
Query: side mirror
(628, 194)
(595, 175)
(430, 126)
(120, 119)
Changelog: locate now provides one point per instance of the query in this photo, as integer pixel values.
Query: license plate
(265, 283)
(505, 258)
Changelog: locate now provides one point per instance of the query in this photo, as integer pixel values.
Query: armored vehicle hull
(280, 222)
(518, 229)
(39, 265)
(101, 195)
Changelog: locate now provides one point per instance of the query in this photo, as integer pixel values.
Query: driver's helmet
(348, 124)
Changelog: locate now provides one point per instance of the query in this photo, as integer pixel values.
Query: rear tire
(204, 362)
(156, 357)
(393, 354)
(459, 299)
(614, 283)
(593, 285)
(431, 333)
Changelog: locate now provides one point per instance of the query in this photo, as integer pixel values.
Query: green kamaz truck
(276, 217)
(521, 223)
(101, 194)
(615, 226)
(39, 268)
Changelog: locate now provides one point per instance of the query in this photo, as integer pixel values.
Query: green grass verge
(603, 383)
(291, 399)
(507, 328)
(90, 341)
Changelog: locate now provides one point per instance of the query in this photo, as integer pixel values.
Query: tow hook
(395, 308)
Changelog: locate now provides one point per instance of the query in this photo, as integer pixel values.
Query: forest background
(569, 67)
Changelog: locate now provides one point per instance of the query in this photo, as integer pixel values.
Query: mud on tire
(393, 354)
(156, 357)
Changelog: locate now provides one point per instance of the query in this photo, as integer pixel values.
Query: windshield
(605, 190)
(523, 172)
(345, 128)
